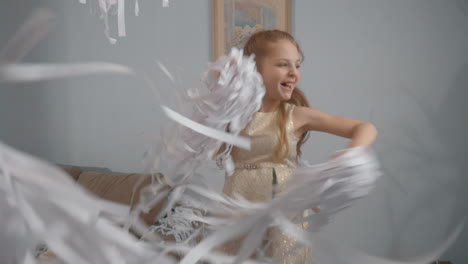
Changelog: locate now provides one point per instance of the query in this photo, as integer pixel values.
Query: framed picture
(233, 21)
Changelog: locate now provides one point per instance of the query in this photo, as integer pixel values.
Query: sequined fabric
(258, 178)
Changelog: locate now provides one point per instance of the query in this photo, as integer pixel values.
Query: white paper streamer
(106, 5)
(121, 18)
(334, 186)
(46, 205)
(104, 15)
(207, 131)
(234, 81)
(137, 8)
(29, 72)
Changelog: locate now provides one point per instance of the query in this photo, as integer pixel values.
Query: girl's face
(280, 70)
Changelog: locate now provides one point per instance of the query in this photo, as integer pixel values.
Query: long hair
(258, 45)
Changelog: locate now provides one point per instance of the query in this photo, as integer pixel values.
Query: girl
(277, 133)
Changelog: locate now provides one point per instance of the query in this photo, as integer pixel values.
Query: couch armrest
(73, 171)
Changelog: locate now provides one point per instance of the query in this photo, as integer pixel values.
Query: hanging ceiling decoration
(107, 7)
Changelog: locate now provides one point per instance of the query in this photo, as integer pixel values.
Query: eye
(283, 64)
(298, 66)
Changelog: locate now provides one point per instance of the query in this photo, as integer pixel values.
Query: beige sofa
(116, 187)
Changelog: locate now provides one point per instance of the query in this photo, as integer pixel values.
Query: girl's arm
(309, 119)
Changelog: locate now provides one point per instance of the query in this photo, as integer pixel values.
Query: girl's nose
(294, 71)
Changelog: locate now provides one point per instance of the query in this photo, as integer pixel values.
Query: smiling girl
(277, 133)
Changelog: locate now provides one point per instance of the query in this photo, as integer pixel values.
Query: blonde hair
(258, 45)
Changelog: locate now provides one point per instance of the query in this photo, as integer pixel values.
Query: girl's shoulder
(307, 118)
(304, 112)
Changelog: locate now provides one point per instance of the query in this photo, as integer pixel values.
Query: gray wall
(102, 121)
(400, 64)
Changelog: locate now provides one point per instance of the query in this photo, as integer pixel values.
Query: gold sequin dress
(256, 176)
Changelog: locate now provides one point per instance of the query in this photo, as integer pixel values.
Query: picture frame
(233, 21)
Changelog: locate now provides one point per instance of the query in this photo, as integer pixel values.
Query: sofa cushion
(118, 188)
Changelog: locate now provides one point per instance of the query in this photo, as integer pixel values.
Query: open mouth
(287, 85)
